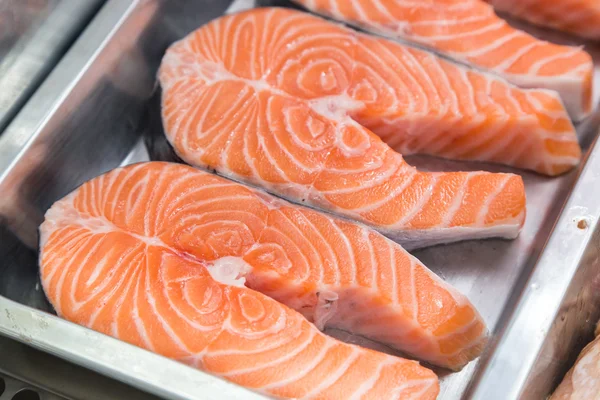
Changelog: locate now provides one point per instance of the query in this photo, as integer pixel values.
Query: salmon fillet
(263, 97)
(577, 17)
(470, 32)
(192, 266)
(582, 382)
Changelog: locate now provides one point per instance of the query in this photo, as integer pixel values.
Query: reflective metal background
(34, 34)
(30, 374)
(537, 293)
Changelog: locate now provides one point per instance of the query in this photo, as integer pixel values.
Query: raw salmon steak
(263, 97)
(469, 32)
(577, 17)
(212, 273)
(582, 382)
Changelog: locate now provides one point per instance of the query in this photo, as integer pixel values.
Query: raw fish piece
(469, 32)
(181, 262)
(266, 97)
(577, 17)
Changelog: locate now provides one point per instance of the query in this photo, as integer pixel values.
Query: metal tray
(34, 34)
(537, 293)
(26, 372)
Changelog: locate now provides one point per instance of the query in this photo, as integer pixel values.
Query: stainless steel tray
(25, 369)
(34, 34)
(537, 293)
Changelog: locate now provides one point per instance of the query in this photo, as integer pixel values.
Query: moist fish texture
(582, 382)
(577, 17)
(469, 32)
(220, 276)
(266, 97)
(415, 101)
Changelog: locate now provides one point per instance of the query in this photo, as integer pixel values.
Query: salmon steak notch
(469, 32)
(228, 279)
(273, 98)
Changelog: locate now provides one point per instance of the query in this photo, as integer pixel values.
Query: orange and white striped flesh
(264, 97)
(469, 32)
(193, 266)
(577, 17)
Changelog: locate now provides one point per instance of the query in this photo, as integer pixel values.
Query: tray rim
(31, 58)
(41, 330)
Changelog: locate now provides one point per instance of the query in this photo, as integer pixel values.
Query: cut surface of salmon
(582, 381)
(263, 97)
(202, 269)
(577, 17)
(470, 32)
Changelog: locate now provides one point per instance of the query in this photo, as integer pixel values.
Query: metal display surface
(25, 370)
(34, 34)
(538, 293)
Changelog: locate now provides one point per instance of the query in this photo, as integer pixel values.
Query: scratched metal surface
(33, 36)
